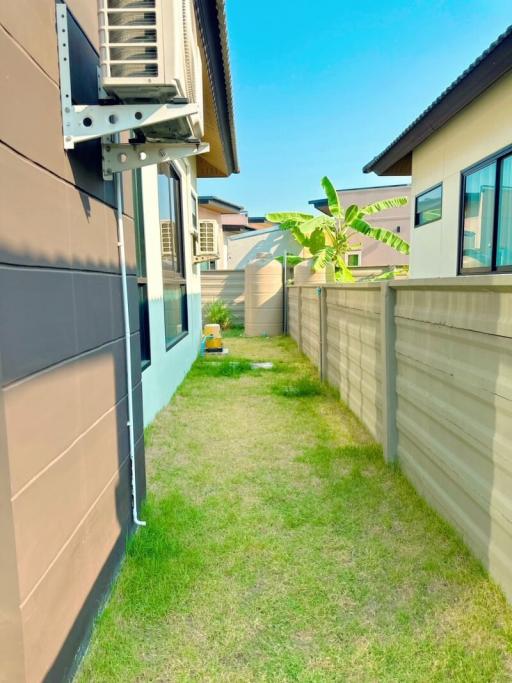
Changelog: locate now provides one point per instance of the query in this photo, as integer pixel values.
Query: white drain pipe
(128, 351)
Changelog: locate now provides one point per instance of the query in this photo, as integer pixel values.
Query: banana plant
(328, 237)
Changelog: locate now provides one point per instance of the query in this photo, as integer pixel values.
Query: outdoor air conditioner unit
(207, 242)
(149, 54)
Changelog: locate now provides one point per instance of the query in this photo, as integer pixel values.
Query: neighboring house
(243, 248)
(227, 219)
(366, 252)
(260, 223)
(459, 153)
(65, 470)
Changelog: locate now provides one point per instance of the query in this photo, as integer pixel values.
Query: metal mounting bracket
(126, 156)
(88, 122)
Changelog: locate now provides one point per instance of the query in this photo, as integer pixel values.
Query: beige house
(368, 253)
(459, 154)
(227, 220)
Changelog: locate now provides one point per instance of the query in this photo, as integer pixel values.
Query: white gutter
(128, 351)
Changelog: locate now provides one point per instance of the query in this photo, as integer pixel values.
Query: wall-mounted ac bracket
(205, 257)
(126, 156)
(89, 122)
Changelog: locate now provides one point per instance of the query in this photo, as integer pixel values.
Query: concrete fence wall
(427, 366)
(227, 285)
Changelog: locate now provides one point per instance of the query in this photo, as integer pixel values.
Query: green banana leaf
(323, 257)
(383, 204)
(317, 223)
(351, 212)
(344, 274)
(283, 216)
(291, 260)
(381, 235)
(333, 201)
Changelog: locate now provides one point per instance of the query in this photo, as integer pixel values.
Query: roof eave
(492, 64)
(211, 15)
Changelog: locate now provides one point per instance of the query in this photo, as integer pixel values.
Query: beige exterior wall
(430, 376)
(479, 130)
(222, 219)
(64, 458)
(242, 249)
(375, 253)
(227, 285)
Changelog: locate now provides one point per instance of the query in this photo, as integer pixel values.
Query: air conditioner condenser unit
(206, 245)
(149, 54)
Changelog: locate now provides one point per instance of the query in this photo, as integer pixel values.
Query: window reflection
(479, 197)
(171, 244)
(504, 248)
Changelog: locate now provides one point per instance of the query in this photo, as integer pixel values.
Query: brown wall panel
(58, 226)
(72, 395)
(93, 460)
(62, 598)
(86, 15)
(12, 664)
(36, 132)
(23, 20)
(66, 451)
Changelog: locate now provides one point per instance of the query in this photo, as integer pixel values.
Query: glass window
(428, 207)
(208, 265)
(194, 212)
(504, 246)
(142, 283)
(479, 197)
(173, 265)
(353, 260)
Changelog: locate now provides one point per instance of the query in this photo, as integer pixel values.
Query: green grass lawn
(280, 547)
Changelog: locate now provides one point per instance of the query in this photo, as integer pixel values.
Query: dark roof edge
(211, 16)
(493, 63)
(323, 200)
(211, 199)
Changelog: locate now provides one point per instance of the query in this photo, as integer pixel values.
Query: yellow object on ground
(213, 337)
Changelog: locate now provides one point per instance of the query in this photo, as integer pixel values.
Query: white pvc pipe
(128, 352)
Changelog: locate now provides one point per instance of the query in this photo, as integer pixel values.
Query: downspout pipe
(127, 341)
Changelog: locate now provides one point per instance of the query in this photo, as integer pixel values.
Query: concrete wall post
(388, 355)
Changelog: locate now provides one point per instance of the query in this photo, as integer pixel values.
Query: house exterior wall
(223, 219)
(64, 453)
(242, 249)
(479, 130)
(375, 253)
(168, 367)
(426, 365)
(206, 214)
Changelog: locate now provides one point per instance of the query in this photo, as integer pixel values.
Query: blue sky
(321, 87)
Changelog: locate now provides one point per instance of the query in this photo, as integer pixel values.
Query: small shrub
(303, 387)
(218, 313)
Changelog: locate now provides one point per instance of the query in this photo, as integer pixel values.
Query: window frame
(496, 157)
(179, 280)
(421, 194)
(142, 276)
(354, 252)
